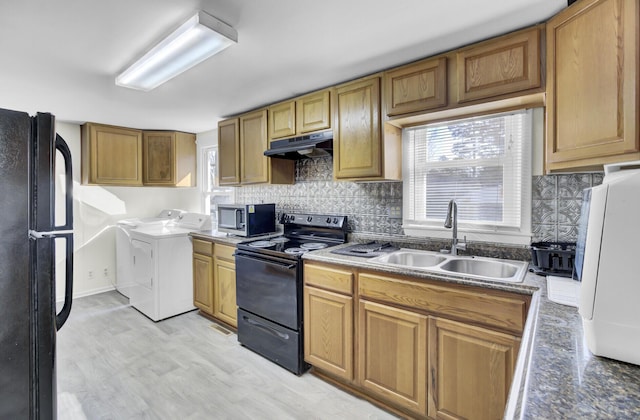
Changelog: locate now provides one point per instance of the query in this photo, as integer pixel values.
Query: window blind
(484, 163)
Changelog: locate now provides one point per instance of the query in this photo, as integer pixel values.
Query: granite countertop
(556, 376)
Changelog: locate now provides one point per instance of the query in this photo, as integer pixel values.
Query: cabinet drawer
(202, 247)
(225, 252)
(503, 310)
(328, 278)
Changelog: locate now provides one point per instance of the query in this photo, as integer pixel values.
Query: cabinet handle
(265, 328)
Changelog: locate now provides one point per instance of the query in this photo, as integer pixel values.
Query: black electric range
(269, 286)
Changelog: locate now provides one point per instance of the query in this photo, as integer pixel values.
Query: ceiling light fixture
(193, 42)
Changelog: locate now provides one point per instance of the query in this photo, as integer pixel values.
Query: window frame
(495, 233)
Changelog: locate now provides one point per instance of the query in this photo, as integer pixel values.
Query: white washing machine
(124, 250)
(162, 266)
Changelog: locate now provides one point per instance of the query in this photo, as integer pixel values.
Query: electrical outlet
(395, 212)
(90, 274)
(106, 272)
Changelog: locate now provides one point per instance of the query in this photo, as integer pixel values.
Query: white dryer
(124, 250)
(162, 266)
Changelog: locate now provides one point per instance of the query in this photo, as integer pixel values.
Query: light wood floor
(114, 363)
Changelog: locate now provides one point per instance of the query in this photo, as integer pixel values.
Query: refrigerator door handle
(62, 316)
(63, 148)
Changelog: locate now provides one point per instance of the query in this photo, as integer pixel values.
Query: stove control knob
(328, 220)
(292, 218)
(309, 219)
(335, 220)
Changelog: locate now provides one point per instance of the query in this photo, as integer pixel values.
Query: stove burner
(279, 240)
(262, 244)
(313, 245)
(295, 251)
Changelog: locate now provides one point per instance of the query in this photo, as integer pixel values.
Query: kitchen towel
(563, 290)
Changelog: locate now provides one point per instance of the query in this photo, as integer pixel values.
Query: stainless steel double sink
(472, 267)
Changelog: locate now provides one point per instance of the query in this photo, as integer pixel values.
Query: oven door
(268, 287)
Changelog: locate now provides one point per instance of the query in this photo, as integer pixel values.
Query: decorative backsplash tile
(556, 204)
(367, 205)
(557, 200)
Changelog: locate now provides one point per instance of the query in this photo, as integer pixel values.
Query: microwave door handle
(62, 316)
(63, 148)
(238, 214)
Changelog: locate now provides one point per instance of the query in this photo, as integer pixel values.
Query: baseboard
(88, 293)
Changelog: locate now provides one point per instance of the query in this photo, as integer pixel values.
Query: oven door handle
(265, 328)
(267, 261)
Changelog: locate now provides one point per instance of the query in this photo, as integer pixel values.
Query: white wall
(96, 209)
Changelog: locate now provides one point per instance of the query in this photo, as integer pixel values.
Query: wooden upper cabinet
(500, 66)
(111, 155)
(416, 87)
(300, 116)
(254, 165)
(470, 370)
(282, 120)
(241, 160)
(313, 112)
(169, 158)
(592, 85)
(362, 149)
(229, 152)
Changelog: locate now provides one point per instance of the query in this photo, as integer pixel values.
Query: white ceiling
(63, 56)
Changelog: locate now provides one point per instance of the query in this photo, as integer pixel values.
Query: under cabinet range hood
(307, 146)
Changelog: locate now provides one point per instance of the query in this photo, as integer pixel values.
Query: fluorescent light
(193, 42)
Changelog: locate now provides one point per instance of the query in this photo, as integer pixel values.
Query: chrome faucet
(451, 221)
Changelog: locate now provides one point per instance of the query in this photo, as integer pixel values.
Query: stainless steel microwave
(247, 219)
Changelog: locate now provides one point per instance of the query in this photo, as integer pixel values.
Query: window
(212, 193)
(484, 163)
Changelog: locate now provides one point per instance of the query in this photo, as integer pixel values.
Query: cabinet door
(254, 165)
(393, 355)
(357, 147)
(229, 152)
(203, 282)
(470, 369)
(159, 158)
(328, 336)
(282, 120)
(111, 155)
(592, 101)
(504, 65)
(417, 87)
(313, 112)
(225, 307)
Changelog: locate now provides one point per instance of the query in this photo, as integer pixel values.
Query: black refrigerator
(29, 318)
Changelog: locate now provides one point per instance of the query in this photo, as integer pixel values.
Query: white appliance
(162, 268)
(606, 258)
(124, 266)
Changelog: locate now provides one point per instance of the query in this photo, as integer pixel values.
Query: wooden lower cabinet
(418, 347)
(203, 282)
(225, 292)
(470, 370)
(328, 341)
(214, 280)
(393, 355)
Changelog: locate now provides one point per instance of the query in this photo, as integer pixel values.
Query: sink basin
(412, 258)
(483, 268)
(463, 266)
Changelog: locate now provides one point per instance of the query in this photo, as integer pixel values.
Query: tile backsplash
(369, 206)
(376, 207)
(556, 204)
